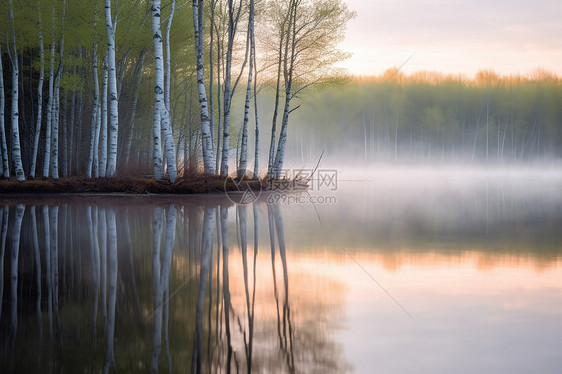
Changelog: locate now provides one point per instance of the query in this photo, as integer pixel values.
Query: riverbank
(129, 185)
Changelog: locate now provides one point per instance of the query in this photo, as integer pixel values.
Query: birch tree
(113, 98)
(56, 102)
(47, 154)
(95, 103)
(242, 164)
(103, 129)
(308, 33)
(160, 106)
(233, 18)
(4, 166)
(207, 142)
(39, 96)
(16, 150)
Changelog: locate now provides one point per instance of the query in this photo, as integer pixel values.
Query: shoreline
(129, 185)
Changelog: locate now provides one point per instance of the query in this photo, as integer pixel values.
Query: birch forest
(134, 87)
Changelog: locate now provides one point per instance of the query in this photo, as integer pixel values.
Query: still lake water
(439, 272)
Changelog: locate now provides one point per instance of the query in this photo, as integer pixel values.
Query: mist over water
(408, 269)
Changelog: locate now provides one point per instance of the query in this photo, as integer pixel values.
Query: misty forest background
(425, 116)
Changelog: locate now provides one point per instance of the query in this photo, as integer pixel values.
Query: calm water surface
(437, 273)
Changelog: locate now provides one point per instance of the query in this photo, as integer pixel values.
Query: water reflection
(202, 286)
(165, 286)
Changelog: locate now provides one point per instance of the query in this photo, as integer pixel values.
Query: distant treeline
(430, 116)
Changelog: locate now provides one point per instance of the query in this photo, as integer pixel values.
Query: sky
(454, 36)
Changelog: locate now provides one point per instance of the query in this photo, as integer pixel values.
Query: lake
(406, 270)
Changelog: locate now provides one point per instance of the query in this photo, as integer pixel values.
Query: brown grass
(194, 184)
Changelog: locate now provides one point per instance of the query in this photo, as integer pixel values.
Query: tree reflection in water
(166, 286)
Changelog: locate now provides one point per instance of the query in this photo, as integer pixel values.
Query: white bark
(243, 162)
(157, 145)
(97, 142)
(207, 143)
(39, 98)
(55, 129)
(257, 131)
(227, 91)
(93, 129)
(103, 131)
(4, 166)
(56, 105)
(159, 99)
(113, 98)
(16, 150)
(168, 75)
(47, 155)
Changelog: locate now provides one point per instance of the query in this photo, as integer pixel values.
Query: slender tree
(207, 143)
(16, 150)
(5, 167)
(39, 95)
(95, 103)
(113, 97)
(160, 106)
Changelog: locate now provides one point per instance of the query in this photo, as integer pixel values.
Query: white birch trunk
(168, 75)
(103, 131)
(157, 145)
(56, 106)
(5, 166)
(55, 130)
(170, 147)
(159, 99)
(281, 146)
(257, 131)
(97, 142)
(113, 98)
(227, 92)
(207, 143)
(47, 156)
(16, 150)
(39, 98)
(93, 129)
(243, 161)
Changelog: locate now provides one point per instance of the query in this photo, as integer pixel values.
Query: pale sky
(454, 36)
